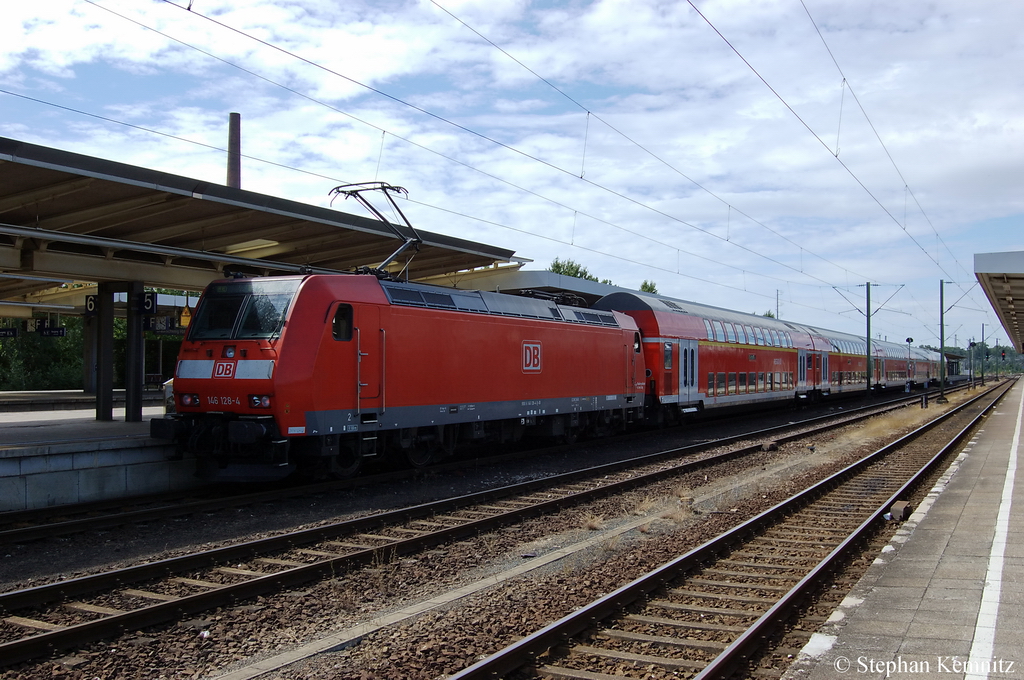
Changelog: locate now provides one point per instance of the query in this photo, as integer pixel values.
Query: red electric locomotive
(324, 371)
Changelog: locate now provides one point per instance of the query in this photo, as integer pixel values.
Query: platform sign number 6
(531, 356)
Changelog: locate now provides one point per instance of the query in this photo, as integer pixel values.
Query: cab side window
(341, 326)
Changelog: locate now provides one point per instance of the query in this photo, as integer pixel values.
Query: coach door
(369, 345)
(813, 369)
(809, 368)
(688, 371)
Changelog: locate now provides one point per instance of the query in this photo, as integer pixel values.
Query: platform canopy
(66, 217)
(1002, 277)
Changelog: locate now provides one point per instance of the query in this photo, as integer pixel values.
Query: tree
(648, 287)
(769, 314)
(33, 362)
(575, 270)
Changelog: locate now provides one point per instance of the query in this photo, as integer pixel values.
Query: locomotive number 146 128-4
(223, 401)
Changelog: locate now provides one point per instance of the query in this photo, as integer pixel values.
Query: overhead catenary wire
(596, 185)
(703, 280)
(720, 262)
(632, 141)
(398, 100)
(453, 212)
(888, 155)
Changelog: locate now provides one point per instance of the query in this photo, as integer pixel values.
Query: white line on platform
(985, 629)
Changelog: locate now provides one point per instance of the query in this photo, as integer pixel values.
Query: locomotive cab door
(349, 365)
(688, 371)
(368, 338)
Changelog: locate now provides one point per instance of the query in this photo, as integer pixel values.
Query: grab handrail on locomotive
(321, 372)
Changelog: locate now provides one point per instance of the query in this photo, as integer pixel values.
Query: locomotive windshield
(242, 310)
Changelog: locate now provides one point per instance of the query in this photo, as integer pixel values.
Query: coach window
(730, 332)
(742, 386)
(721, 384)
(637, 346)
(740, 335)
(752, 383)
(341, 327)
(707, 327)
(711, 384)
(668, 356)
(757, 333)
(719, 331)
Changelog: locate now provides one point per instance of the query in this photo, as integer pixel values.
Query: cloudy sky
(734, 152)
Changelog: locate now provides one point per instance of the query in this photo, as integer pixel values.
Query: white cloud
(938, 81)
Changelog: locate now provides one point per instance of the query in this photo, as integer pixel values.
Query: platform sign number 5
(531, 356)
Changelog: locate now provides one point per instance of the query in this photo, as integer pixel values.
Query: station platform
(64, 456)
(946, 597)
(59, 400)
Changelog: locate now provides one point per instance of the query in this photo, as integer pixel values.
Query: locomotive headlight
(259, 400)
(189, 399)
(229, 351)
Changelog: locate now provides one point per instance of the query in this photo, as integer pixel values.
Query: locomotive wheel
(433, 449)
(420, 455)
(346, 463)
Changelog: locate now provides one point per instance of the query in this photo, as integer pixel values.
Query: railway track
(706, 614)
(27, 526)
(73, 612)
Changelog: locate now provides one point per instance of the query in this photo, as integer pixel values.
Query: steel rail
(50, 529)
(37, 645)
(532, 646)
(82, 585)
(737, 653)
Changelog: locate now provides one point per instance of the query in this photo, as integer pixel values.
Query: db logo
(223, 369)
(531, 356)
